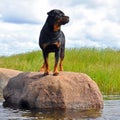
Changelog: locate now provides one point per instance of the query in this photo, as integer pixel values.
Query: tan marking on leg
(55, 72)
(46, 71)
(61, 66)
(42, 68)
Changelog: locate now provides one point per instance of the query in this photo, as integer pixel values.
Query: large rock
(68, 90)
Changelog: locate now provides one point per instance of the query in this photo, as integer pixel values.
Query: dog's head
(57, 18)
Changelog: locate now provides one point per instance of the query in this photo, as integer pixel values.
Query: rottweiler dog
(52, 39)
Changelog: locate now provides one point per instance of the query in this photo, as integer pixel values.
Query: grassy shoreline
(102, 65)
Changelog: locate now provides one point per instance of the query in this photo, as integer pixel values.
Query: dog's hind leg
(42, 69)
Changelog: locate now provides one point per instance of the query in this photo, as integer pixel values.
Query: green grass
(102, 65)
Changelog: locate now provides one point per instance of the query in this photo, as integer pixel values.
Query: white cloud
(23, 11)
(96, 24)
(93, 23)
(15, 38)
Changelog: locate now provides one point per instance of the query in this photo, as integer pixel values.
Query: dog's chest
(51, 40)
(51, 47)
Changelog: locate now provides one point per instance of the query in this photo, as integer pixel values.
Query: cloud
(24, 11)
(15, 38)
(93, 23)
(20, 24)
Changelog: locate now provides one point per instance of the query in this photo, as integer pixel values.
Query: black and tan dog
(52, 39)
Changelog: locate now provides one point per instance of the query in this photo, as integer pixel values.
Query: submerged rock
(68, 90)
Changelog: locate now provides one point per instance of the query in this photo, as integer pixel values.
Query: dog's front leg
(46, 65)
(62, 54)
(57, 55)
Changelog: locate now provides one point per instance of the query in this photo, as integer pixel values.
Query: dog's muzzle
(64, 20)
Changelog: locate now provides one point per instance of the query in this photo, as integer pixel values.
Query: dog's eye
(58, 16)
(61, 15)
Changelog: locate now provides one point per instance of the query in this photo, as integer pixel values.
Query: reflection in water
(63, 114)
(110, 112)
(10, 113)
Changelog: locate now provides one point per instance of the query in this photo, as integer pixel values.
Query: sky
(93, 23)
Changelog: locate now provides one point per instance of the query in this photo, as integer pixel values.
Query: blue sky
(93, 23)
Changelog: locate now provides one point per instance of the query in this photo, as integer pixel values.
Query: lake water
(111, 111)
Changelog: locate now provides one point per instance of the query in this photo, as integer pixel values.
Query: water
(111, 111)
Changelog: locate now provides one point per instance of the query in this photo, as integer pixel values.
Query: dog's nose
(67, 19)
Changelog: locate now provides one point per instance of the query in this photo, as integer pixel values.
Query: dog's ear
(51, 13)
(55, 12)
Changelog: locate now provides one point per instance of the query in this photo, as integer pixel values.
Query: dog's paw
(55, 73)
(46, 73)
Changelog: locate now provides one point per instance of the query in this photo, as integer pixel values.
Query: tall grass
(102, 65)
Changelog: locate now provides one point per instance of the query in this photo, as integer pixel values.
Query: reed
(102, 65)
